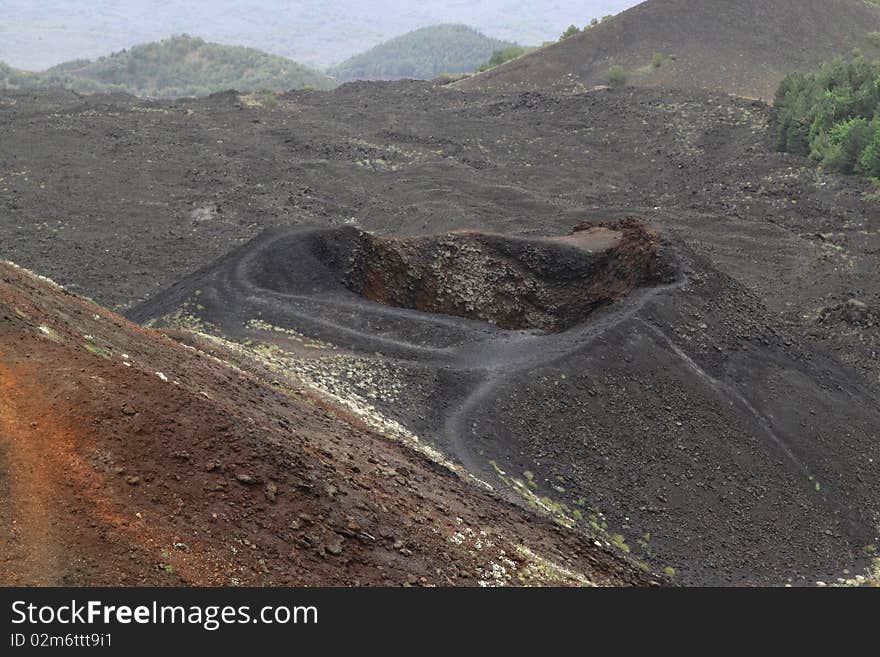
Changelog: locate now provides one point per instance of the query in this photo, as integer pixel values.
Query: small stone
(133, 480)
(247, 479)
(271, 491)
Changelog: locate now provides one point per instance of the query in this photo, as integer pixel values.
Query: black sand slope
(681, 420)
(742, 47)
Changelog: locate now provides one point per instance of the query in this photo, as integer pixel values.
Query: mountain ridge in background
(174, 67)
(422, 54)
(317, 33)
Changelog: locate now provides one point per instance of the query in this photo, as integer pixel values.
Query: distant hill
(744, 47)
(174, 67)
(317, 33)
(422, 54)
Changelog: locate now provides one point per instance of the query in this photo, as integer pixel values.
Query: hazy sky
(36, 34)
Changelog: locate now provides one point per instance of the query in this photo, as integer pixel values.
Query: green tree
(570, 31)
(501, 56)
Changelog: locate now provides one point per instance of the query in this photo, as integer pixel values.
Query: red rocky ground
(126, 458)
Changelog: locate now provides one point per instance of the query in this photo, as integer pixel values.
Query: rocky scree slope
(129, 459)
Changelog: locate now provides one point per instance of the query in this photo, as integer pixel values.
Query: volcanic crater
(517, 283)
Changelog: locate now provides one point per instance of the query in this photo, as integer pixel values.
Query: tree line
(833, 115)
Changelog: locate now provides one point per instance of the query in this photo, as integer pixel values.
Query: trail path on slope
(26, 491)
(507, 356)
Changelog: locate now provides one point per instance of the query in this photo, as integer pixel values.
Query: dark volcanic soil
(742, 47)
(128, 459)
(724, 425)
(662, 419)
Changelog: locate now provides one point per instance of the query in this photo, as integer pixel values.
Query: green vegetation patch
(570, 31)
(505, 55)
(98, 351)
(617, 76)
(833, 116)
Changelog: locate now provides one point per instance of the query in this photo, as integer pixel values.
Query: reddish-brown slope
(742, 47)
(182, 469)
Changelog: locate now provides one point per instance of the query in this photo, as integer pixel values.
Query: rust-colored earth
(126, 458)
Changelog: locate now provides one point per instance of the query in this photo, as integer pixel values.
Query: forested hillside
(174, 67)
(423, 54)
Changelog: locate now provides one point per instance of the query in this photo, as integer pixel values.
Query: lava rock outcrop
(545, 284)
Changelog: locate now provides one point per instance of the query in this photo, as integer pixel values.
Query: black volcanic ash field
(723, 424)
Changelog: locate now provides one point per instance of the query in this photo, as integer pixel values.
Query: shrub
(570, 31)
(616, 76)
(869, 162)
(505, 55)
(268, 98)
